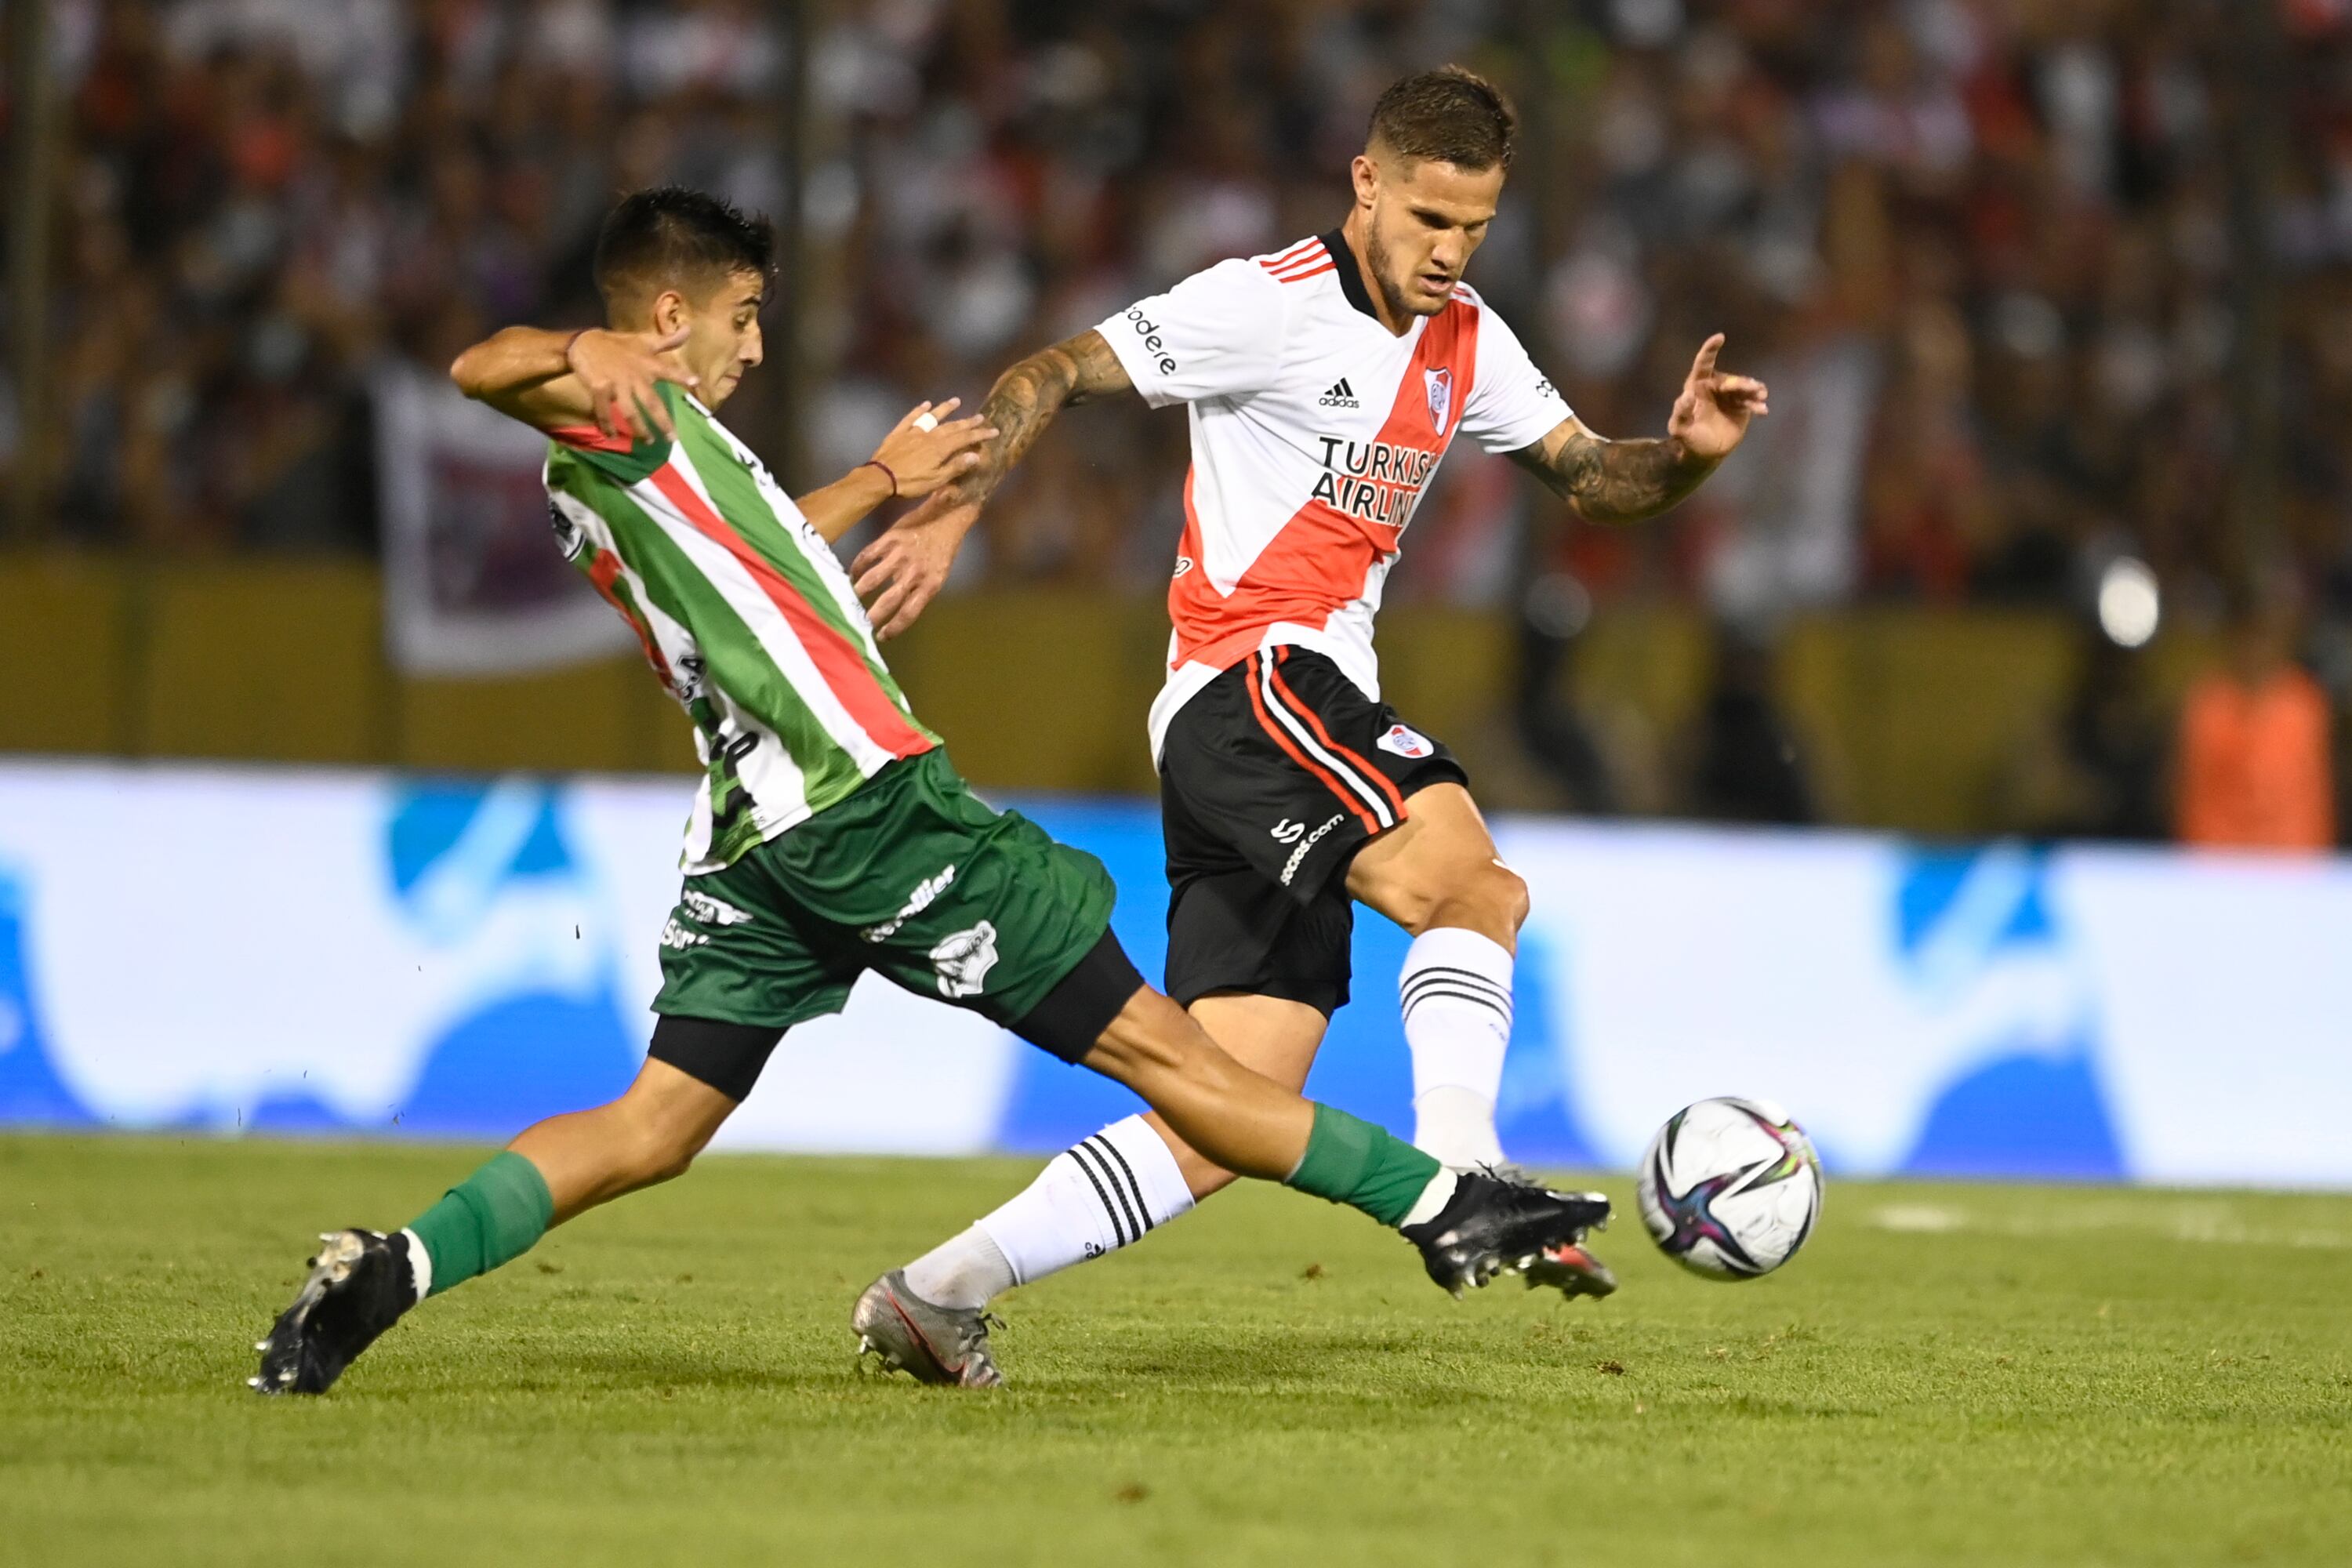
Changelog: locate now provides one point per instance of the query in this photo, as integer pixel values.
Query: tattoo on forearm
(1617, 481)
(1026, 398)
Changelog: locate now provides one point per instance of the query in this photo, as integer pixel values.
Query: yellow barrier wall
(63, 658)
(1908, 718)
(1912, 716)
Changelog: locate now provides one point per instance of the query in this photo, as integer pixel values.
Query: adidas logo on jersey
(1341, 395)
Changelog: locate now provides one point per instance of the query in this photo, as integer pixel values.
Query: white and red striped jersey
(1314, 431)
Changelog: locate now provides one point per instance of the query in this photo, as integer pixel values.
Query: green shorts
(913, 876)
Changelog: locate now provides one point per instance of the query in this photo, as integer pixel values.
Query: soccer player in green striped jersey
(830, 837)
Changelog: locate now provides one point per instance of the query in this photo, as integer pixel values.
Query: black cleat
(359, 1286)
(1496, 1224)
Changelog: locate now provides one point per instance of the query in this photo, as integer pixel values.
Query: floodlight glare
(2129, 601)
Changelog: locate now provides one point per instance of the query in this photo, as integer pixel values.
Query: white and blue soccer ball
(1730, 1188)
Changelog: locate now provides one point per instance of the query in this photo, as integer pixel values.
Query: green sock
(493, 1216)
(1351, 1161)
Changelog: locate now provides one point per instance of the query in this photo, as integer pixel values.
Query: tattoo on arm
(1615, 481)
(1026, 398)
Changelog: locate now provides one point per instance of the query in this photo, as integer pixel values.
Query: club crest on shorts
(1406, 741)
(962, 961)
(1441, 397)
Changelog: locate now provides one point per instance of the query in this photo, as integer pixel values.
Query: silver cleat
(933, 1343)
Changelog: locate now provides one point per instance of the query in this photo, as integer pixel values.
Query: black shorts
(1271, 778)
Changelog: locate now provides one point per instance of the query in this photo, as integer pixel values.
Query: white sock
(966, 1271)
(1455, 989)
(1433, 1199)
(1092, 1198)
(420, 1265)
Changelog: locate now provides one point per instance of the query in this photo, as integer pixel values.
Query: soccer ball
(1730, 1188)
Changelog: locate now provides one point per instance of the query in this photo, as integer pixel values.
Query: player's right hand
(920, 459)
(619, 371)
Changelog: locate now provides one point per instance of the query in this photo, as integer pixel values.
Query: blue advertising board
(242, 951)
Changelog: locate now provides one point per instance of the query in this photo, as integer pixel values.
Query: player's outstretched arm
(1625, 481)
(553, 380)
(1026, 399)
(919, 456)
(898, 573)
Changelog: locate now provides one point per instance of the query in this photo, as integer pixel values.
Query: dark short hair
(670, 236)
(1448, 114)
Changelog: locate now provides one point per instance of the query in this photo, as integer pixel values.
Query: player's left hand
(900, 574)
(1711, 414)
(922, 457)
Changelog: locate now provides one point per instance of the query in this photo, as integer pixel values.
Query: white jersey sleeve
(1512, 404)
(1219, 333)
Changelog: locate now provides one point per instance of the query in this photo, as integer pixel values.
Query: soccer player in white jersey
(1323, 383)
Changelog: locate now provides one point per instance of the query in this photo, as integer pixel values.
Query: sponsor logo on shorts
(964, 960)
(712, 911)
(1183, 565)
(1286, 831)
(677, 937)
(1406, 741)
(1297, 856)
(922, 899)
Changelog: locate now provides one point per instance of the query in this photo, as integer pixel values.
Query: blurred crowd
(2002, 261)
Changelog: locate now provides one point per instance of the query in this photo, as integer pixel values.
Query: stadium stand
(1986, 253)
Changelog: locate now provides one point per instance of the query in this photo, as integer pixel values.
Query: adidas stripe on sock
(1455, 991)
(1099, 1195)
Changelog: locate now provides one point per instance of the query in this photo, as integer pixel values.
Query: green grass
(1948, 1375)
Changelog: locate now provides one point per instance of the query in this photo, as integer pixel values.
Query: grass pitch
(1949, 1374)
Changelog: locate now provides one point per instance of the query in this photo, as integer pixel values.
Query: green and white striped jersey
(744, 613)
